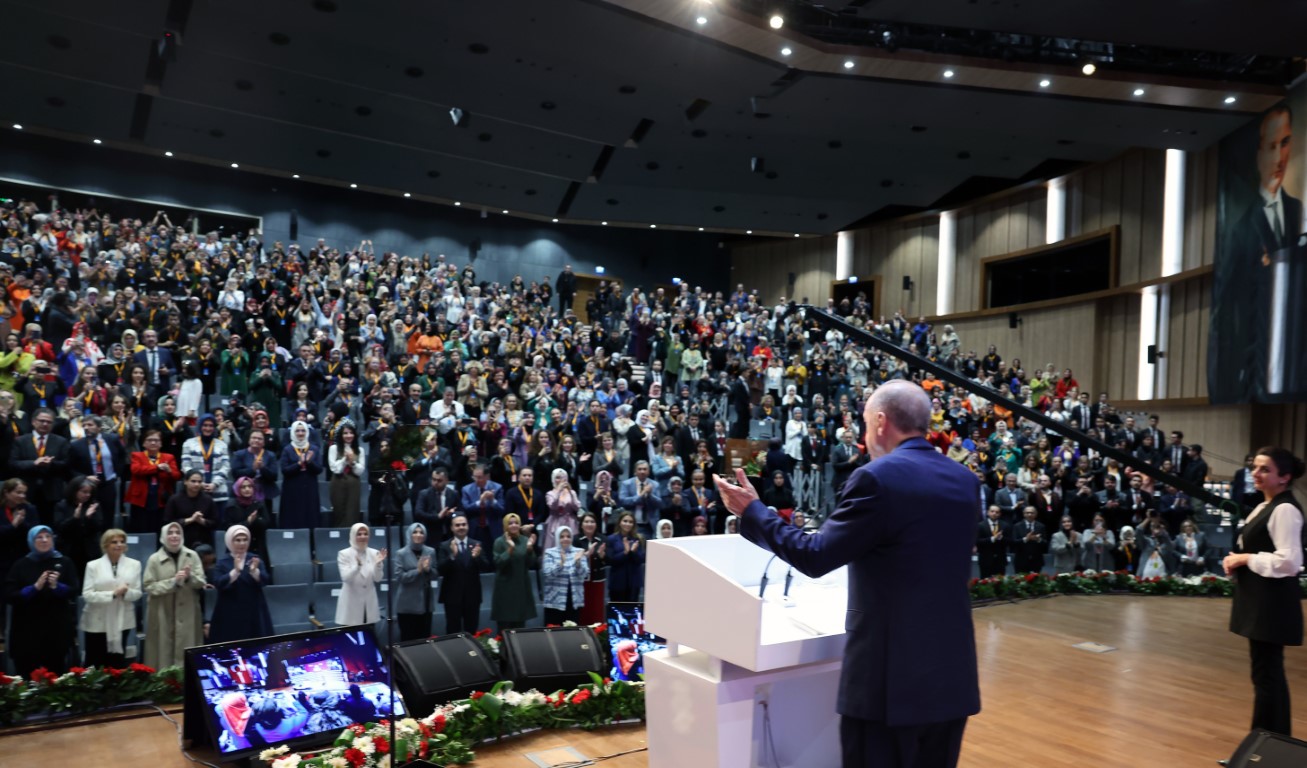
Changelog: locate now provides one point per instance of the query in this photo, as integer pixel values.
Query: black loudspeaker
(294, 224)
(1263, 749)
(440, 669)
(1013, 320)
(552, 658)
(907, 282)
(1152, 354)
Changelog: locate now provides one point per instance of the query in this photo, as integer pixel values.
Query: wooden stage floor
(1175, 692)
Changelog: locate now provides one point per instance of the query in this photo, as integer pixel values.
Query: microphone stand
(388, 505)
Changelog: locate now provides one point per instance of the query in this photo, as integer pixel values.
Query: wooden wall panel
(1125, 191)
(1225, 432)
(1044, 336)
(1285, 426)
(1117, 345)
(1014, 223)
(1186, 342)
(1201, 175)
(767, 264)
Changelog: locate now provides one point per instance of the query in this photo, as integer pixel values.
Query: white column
(947, 264)
(1055, 214)
(843, 255)
(1155, 307)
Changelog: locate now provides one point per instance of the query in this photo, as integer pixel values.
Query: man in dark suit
(436, 505)
(742, 405)
(993, 540)
(1177, 452)
(1082, 415)
(1195, 468)
(845, 457)
(41, 458)
(1241, 487)
(1029, 543)
(1112, 503)
(565, 287)
(158, 362)
(102, 457)
(814, 451)
(1136, 502)
(1010, 498)
(1047, 500)
(524, 500)
(906, 521)
(460, 563)
(483, 502)
(590, 427)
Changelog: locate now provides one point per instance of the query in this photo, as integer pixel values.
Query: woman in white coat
(360, 571)
(110, 589)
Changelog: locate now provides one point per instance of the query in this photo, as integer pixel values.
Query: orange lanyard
(527, 496)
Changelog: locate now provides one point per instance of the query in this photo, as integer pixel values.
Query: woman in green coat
(266, 389)
(234, 374)
(513, 603)
(14, 363)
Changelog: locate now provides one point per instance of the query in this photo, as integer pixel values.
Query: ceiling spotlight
(603, 223)
(1229, 99)
(555, 221)
(167, 153)
(848, 65)
(97, 141)
(796, 234)
(1045, 83)
(353, 186)
(748, 231)
(1139, 91)
(457, 203)
(701, 20)
(948, 73)
(700, 229)
(776, 21)
(599, 270)
(786, 51)
(504, 211)
(235, 165)
(18, 127)
(408, 194)
(653, 226)
(1089, 68)
(294, 175)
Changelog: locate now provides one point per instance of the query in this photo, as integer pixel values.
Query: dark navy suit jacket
(905, 526)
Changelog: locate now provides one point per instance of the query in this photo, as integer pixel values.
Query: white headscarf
(658, 530)
(353, 531)
(300, 444)
(558, 536)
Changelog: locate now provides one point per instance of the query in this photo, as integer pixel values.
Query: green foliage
(83, 690)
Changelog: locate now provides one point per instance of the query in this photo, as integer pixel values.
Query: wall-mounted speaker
(793, 276)
(1013, 320)
(294, 225)
(907, 282)
(1152, 354)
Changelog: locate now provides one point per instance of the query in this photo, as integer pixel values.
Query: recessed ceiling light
(1139, 91)
(1045, 83)
(457, 203)
(1229, 99)
(700, 229)
(948, 73)
(97, 141)
(848, 65)
(777, 21)
(786, 51)
(653, 226)
(603, 223)
(235, 165)
(796, 234)
(701, 20)
(1089, 68)
(408, 194)
(18, 127)
(294, 175)
(555, 221)
(748, 231)
(504, 211)
(353, 186)
(167, 153)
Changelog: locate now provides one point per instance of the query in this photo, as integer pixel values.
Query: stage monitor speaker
(1263, 749)
(437, 670)
(550, 658)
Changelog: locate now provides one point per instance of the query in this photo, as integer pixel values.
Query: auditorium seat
(325, 596)
(141, 545)
(327, 542)
(289, 546)
(293, 573)
(289, 606)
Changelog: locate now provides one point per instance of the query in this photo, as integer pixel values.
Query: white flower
(569, 623)
(289, 761)
(364, 744)
(338, 762)
(268, 755)
(408, 723)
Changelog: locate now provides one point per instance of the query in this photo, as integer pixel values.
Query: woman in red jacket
(154, 474)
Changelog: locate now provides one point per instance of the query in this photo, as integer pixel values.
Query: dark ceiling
(345, 91)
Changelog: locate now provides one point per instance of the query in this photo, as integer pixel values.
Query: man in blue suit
(905, 525)
(483, 503)
(157, 361)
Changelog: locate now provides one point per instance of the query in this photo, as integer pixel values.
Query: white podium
(729, 653)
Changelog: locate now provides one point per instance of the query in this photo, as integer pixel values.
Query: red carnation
(142, 669)
(398, 466)
(481, 632)
(5, 679)
(43, 675)
(438, 723)
(608, 680)
(357, 729)
(114, 673)
(477, 694)
(381, 744)
(422, 748)
(355, 757)
(77, 670)
(1031, 577)
(580, 696)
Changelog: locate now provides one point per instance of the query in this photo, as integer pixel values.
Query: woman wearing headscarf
(414, 571)
(665, 529)
(512, 605)
(638, 437)
(300, 467)
(110, 590)
(239, 576)
(41, 588)
(154, 474)
(361, 570)
(174, 580)
(563, 505)
(194, 509)
(247, 509)
(565, 571)
(207, 453)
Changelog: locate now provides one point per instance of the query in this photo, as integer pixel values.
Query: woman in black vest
(1267, 598)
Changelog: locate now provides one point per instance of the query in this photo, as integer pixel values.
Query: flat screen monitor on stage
(298, 689)
(628, 640)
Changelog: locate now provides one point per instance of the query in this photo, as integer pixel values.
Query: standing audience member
(41, 588)
(154, 474)
(564, 573)
(625, 561)
(513, 603)
(110, 591)
(174, 580)
(361, 570)
(461, 561)
(241, 611)
(415, 572)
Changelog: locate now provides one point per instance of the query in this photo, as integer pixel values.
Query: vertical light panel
(1155, 309)
(948, 262)
(843, 255)
(1055, 215)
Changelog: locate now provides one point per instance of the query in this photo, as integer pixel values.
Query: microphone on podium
(762, 585)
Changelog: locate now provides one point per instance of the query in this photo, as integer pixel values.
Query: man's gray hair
(906, 405)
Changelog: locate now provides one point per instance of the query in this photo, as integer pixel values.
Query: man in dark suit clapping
(1029, 543)
(100, 456)
(993, 540)
(41, 458)
(460, 563)
(905, 525)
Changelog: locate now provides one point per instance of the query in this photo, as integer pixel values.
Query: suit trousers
(872, 744)
(462, 617)
(1271, 705)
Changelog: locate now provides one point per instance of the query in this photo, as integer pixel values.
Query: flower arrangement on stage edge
(82, 690)
(1024, 585)
(448, 735)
